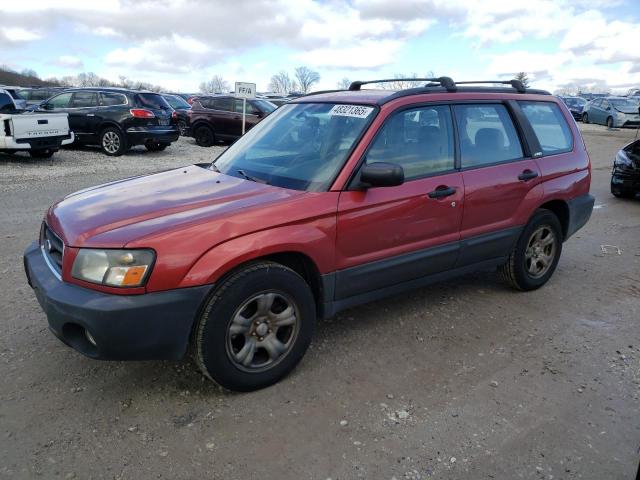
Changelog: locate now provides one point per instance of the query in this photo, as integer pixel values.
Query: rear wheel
(155, 146)
(47, 153)
(182, 126)
(256, 327)
(585, 118)
(609, 122)
(205, 137)
(113, 142)
(535, 256)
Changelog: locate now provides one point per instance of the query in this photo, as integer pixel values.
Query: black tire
(609, 122)
(155, 146)
(113, 142)
(620, 192)
(516, 271)
(47, 153)
(182, 126)
(205, 136)
(585, 118)
(213, 341)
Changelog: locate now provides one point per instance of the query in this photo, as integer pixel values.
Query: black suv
(214, 118)
(117, 118)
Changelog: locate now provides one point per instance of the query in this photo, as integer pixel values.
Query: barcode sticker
(357, 111)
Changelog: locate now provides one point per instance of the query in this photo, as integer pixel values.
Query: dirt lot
(466, 379)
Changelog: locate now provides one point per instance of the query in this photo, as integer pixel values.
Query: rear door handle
(442, 191)
(91, 114)
(527, 175)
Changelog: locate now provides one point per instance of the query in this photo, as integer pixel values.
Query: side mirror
(381, 174)
(46, 106)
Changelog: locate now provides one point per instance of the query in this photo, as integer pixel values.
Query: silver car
(612, 111)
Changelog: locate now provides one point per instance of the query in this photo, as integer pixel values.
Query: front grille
(52, 248)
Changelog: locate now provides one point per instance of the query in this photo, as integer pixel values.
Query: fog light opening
(90, 338)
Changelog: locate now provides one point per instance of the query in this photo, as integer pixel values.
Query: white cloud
(69, 61)
(19, 34)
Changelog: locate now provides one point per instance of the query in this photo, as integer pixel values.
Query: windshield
(575, 101)
(176, 102)
(265, 105)
(300, 146)
(623, 103)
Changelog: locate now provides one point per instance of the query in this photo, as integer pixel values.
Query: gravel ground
(465, 379)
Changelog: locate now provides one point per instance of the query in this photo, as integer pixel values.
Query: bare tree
(217, 84)
(403, 81)
(522, 76)
(344, 83)
(28, 72)
(306, 78)
(282, 83)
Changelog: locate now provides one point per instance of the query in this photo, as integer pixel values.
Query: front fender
(315, 240)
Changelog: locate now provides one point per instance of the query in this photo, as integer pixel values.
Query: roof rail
(517, 84)
(446, 82)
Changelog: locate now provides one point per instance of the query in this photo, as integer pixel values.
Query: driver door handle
(442, 191)
(527, 175)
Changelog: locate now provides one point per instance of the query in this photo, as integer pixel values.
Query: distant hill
(8, 77)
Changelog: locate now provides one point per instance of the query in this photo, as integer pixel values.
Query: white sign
(245, 90)
(358, 111)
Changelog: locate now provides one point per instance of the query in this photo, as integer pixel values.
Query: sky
(180, 43)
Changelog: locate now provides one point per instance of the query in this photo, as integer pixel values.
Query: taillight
(141, 113)
(190, 100)
(174, 115)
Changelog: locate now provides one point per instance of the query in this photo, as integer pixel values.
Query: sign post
(245, 90)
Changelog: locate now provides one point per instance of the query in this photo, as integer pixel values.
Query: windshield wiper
(249, 177)
(215, 169)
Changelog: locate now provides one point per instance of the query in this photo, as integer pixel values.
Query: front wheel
(535, 257)
(609, 122)
(585, 118)
(256, 327)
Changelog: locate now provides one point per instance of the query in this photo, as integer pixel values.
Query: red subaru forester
(335, 199)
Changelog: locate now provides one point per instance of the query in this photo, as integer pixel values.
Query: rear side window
(419, 140)
(487, 135)
(549, 126)
(108, 99)
(152, 100)
(84, 100)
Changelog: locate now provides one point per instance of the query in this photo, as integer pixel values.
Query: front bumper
(151, 326)
(627, 178)
(161, 134)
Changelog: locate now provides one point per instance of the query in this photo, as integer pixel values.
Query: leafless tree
(306, 78)
(217, 84)
(401, 82)
(344, 83)
(282, 83)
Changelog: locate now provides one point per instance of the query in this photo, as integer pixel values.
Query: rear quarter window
(549, 125)
(152, 100)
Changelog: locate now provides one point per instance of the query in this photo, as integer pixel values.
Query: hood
(114, 214)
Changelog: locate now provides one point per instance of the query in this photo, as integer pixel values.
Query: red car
(335, 199)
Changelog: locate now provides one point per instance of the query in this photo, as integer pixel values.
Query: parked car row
(614, 112)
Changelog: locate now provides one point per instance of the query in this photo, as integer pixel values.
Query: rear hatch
(37, 125)
(155, 103)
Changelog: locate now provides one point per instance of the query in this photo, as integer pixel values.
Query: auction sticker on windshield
(357, 111)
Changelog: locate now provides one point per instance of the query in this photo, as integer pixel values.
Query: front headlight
(622, 160)
(114, 268)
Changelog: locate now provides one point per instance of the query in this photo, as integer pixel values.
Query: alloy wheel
(111, 142)
(540, 252)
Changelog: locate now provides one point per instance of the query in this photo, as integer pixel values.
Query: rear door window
(549, 125)
(225, 104)
(84, 100)
(487, 135)
(109, 99)
(420, 140)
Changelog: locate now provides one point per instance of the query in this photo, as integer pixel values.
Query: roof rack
(517, 84)
(445, 82)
